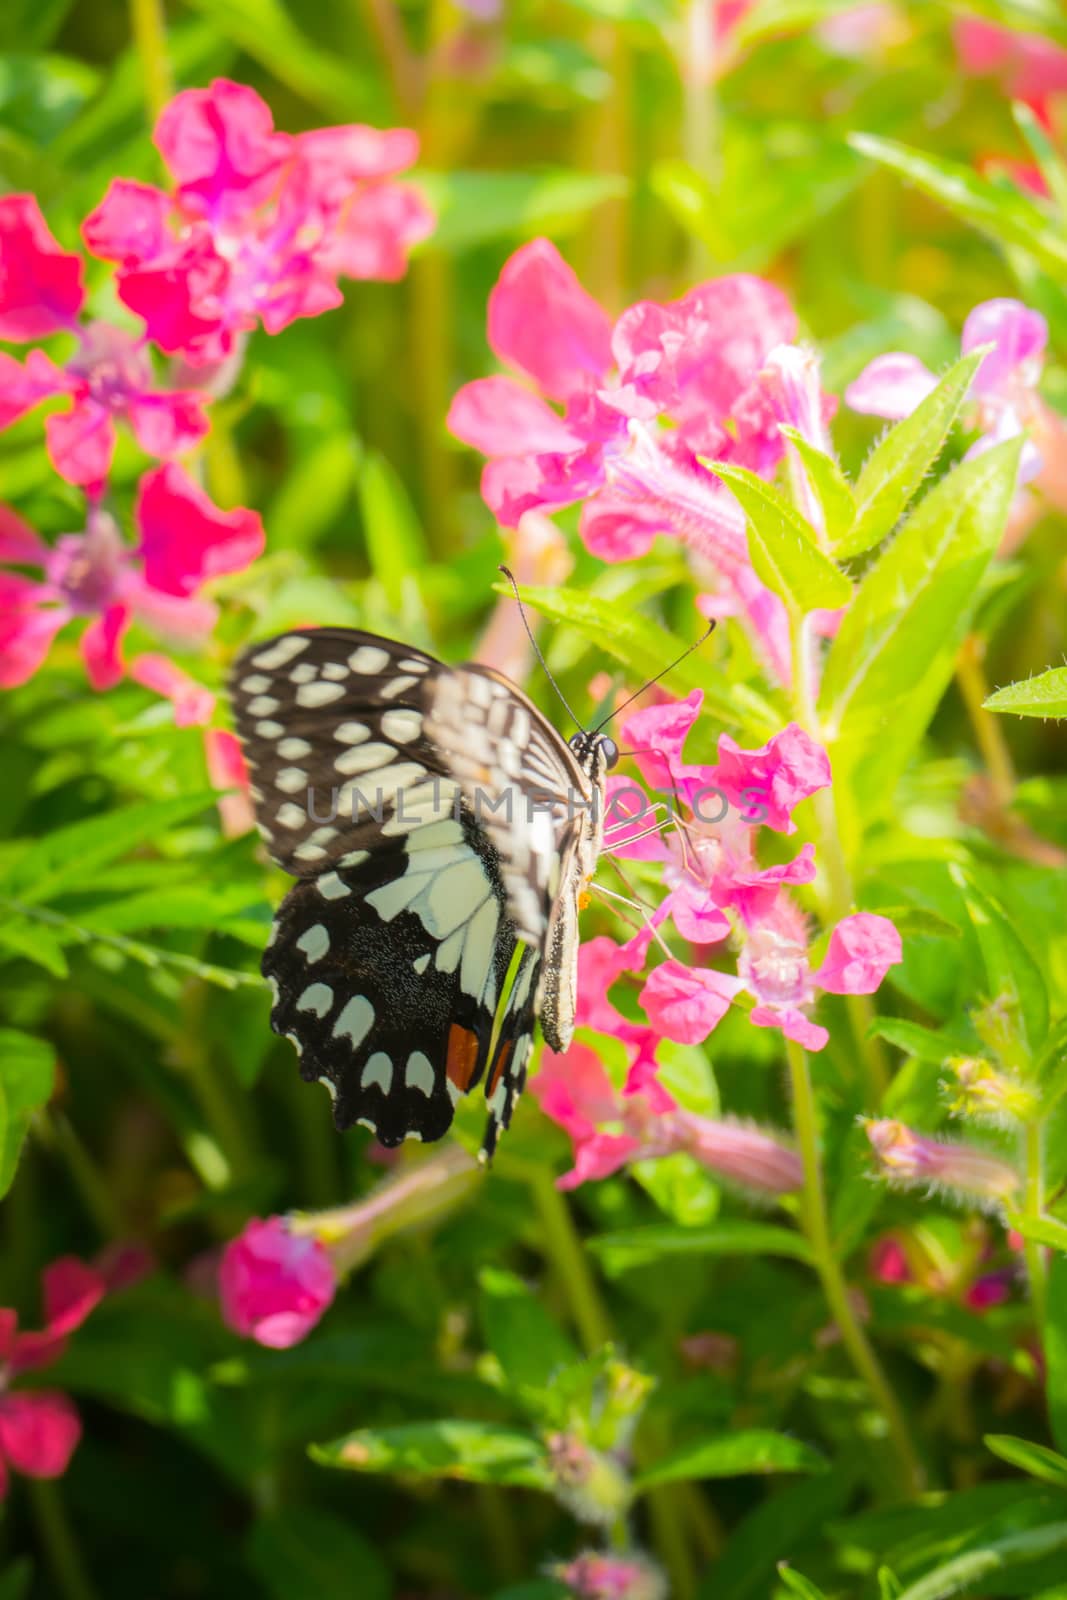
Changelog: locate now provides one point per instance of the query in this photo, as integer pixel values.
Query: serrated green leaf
(832, 488)
(27, 1077)
(1013, 974)
(796, 1583)
(896, 648)
(474, 1452)
(1036, 1459)
(1043, 696)
(733, 1456)
(1006, 216)
(894, 471)
(963, 1571)
(782, 545)
(644, 648)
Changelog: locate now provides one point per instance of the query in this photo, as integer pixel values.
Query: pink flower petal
(168, 424)
(1019, 337)
(39, 1432)
(657, 734)
(18, 542)
(182, 300)
(81, 444)
(341, 157)
(862, 949)
(379, 226)
(687, 1003)
(598, 1157)
(542, 321)
(27, 627)
(766, 785)
(71, 1291)
(194, 705)
(574, 1089)
(185, 539)
(501, 418)
(101, 646)
(274, 1285)
(23, 387)
(696, 915)
(130, 224)
(793, 1023)
(41, 288)
(221, 148)
(891, 386)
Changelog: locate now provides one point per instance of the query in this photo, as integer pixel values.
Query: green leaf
(782, 545)
(770, 18)
(302, 1550)
(644, 648)
(265, 30)
(1036, 1459)
(637, 1247)
(1049, 160)
(732, 1456)
(59, 859)
(1006, 216)
(1014, 977)
(968, 1569)
(27, 1077)
(1043, 696)
(796, 1583)
(475, 1452)
(15, 1580)
(832, 488)
(475, 207)
(926, 1044)
(21, 937)
(894, 471)
(1046, 1230)
(1056, 1348)
(395, 541)
(529, 1345)
(895, 650)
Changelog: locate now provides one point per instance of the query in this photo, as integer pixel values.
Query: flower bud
(592, 1576)
(591, 1485)
(1000, 1029)
(742, 1154)
(274, 1285)
(986, 1095)
(911, 1158)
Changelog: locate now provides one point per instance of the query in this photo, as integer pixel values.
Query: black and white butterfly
(442, 833)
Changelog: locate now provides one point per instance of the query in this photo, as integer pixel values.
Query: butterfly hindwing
(507, 1069)
(387, 976)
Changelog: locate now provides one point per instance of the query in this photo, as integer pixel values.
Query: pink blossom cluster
(722, 903)
(256, 229)
(646, 400)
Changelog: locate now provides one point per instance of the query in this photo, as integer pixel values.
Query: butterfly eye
(609, 752)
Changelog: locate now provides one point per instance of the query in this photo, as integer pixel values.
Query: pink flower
(593, 1576)
(259, 225)
(193, 704)
(274, 1285)
(184, 541)
(228, 771)
(1031, 67)
(108, 378)
(643, 403)
(862, 949)
(39, 1428)
(911, 1159)
(1004, 388)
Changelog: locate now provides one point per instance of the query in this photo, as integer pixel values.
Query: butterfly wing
(386, 979)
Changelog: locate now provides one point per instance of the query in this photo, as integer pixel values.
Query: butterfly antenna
(509, 575)
(694, 646)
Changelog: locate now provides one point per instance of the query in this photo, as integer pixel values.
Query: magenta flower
(1004, 387)
(645, 403)
(274, 1285)
(259, 225)
(593, 1576)
(39, 1428)
(108, 378)
(184, 541)
(1030, 66)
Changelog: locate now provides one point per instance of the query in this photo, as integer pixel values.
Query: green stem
(148, 26)
(1033, 1200)
(58, 1544)
(564, 1248)
(85, 1175)
(817, 1228)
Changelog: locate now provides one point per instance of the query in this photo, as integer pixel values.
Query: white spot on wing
(294, 749)
(309, 851)
(256, 683)
(355, 1021)
(478, 949)
(314, 942)
(419, 1074)
(278, 654)
(420, 963)
(331, 886)
(379, 1070)
(291, 816)
(401, 724)
(397, 687)
(351, 733)
(369, 658)
(363, 758)
(269, 730)
(318, 694)
(330, 1087)
(410, 664)
(306, 672)
(291, 780)
(318, 997)
(336, 670)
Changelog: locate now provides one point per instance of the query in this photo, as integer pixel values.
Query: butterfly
(442, 833)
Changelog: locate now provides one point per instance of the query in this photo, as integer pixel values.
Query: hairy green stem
(1033, 1200)
(817, 1229)
(148, 26)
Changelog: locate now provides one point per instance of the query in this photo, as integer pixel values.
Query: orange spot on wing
(462, 1056)
(501, 1062)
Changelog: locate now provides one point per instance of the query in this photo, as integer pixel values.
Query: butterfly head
(596, 753)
